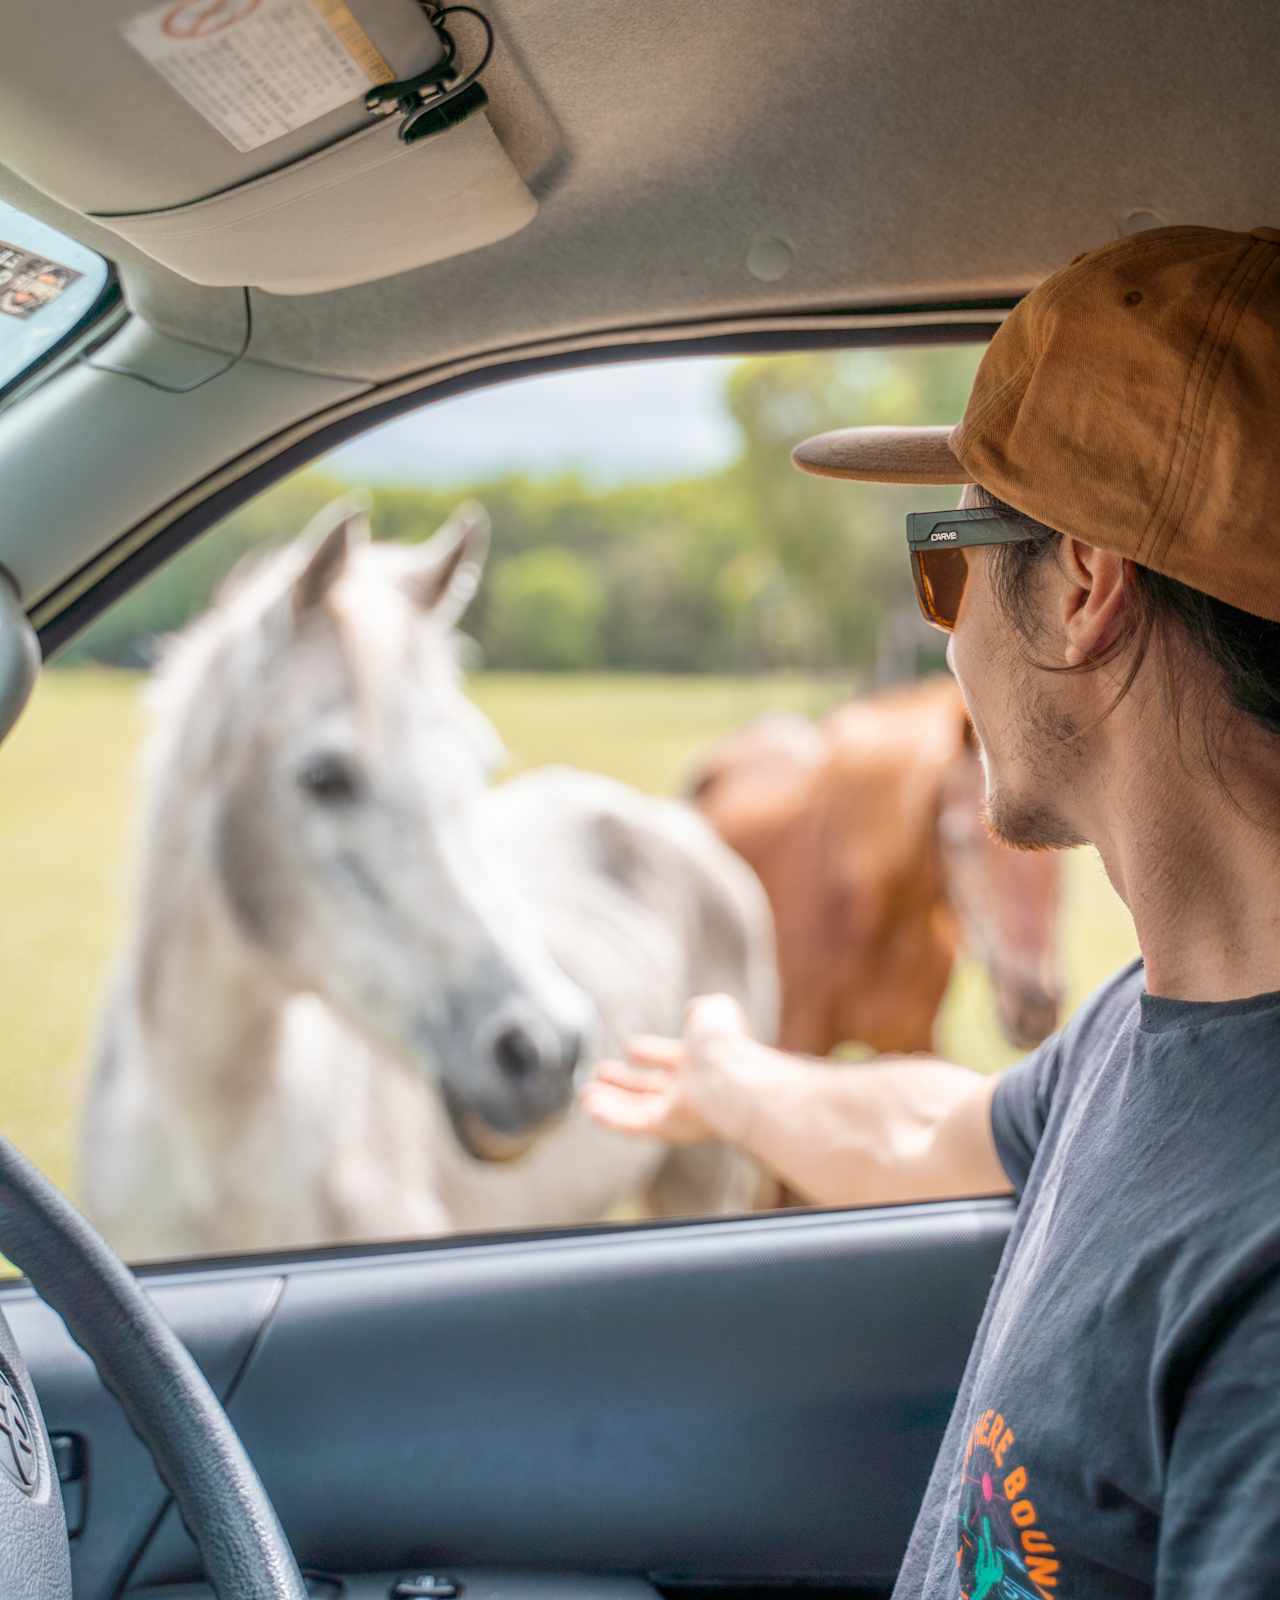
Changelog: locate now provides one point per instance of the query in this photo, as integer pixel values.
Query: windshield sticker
(259, 69)
(30, 282)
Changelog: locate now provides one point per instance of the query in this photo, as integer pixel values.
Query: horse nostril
(516, 1052)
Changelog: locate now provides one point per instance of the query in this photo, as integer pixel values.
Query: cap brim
(883, 455)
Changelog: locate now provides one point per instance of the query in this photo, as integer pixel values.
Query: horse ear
(331, 532)
(445, 571)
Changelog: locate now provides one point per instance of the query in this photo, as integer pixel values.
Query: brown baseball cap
(1131, 400)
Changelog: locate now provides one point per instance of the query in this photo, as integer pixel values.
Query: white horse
(359, 977)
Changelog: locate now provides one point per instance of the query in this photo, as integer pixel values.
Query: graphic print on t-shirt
(1002, 1552)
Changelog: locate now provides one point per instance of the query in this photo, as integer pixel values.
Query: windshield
(48, 283)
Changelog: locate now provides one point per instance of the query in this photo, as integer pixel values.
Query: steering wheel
(164, 1394)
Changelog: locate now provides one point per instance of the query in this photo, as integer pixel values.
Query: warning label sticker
(258, 69)
(28, 282)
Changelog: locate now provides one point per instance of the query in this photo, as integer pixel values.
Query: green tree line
(750, 568)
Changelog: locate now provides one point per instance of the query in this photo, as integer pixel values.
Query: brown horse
(868, 833)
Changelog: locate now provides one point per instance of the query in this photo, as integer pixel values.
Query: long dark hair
(1243, 651)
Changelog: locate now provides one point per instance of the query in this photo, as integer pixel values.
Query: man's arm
(897, 1130)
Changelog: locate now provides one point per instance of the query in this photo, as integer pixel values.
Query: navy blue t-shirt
(1117, 1429)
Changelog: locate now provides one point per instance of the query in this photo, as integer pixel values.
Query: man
(1113, 584)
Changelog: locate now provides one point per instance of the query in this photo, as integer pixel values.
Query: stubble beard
(1050, 755)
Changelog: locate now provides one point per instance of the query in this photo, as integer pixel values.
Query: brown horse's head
(868, 833)
(1007, 902)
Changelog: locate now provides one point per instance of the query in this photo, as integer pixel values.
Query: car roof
(701, 174)
(905, 154)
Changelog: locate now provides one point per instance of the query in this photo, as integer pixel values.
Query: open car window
(273, 945)
(49, 284)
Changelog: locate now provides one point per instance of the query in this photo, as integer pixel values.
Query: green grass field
(67, 791)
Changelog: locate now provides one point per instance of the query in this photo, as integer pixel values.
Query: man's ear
(1096, 601)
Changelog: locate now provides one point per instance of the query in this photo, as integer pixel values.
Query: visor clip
(436, 99)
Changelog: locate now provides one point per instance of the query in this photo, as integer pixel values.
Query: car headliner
(923, 161)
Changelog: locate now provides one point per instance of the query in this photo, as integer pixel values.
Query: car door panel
(115, 1496)
(751, 1399)
(473, 1583)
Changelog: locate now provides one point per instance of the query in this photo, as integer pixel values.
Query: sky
(638, 420)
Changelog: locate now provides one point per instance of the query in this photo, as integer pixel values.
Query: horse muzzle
(517, 1077)
(1028, 1014)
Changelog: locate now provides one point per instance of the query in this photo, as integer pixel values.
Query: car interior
(700, 1408)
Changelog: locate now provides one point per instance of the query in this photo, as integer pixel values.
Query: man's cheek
(985, 763)
(960, 661)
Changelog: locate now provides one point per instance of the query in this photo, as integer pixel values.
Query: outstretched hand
(673, 1089)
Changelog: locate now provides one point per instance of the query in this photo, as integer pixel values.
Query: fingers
(649, 1050)
(649, 1064)
(631, 1097)
(623, 1075)
(622, 1109)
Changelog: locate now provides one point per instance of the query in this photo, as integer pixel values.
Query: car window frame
(204, 517)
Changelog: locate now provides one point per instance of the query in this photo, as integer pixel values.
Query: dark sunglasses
(937, 541)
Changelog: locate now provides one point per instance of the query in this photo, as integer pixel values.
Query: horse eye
(329, 777)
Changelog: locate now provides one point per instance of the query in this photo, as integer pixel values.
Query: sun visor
(245, 154)
(363, 208)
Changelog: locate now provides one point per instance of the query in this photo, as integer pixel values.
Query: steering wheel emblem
(17, 1445)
